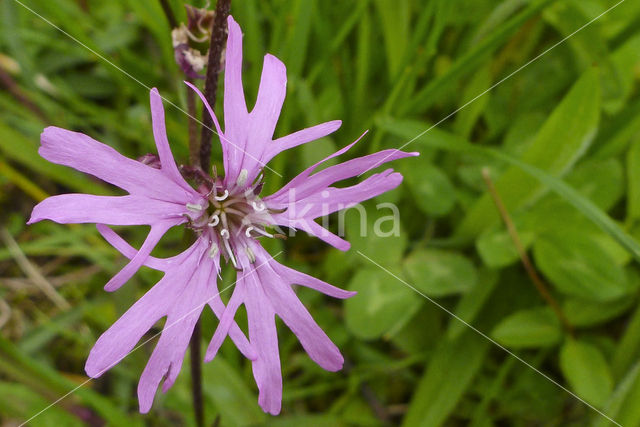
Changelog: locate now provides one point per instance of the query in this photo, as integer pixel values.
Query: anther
(250, 254)
(213, 250)
(225, 233)
(194, 207)
(242, 178)
(215, 219)
(224, 196)
(258, 207)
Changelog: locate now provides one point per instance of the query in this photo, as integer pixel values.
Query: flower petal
(166, 359)
(154, 236)
(212, 296)
(235, 107)
(122, 336)
(85, 154)
(264, 116)
(301, 137)
(113, 210)
(294, 314)
(264, 337)
(162, 142)
(300, 278)
(226, 321)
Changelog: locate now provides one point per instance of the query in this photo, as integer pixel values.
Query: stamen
(224, 196)
(213, 250)
(257, 230)
(250, 254)
(258, 207)
(194, 207)
(225, 234)
(215, 219)
(242, 178)
(229, 251)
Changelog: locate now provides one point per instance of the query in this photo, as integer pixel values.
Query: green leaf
(437, 393)
(383, 304)
(21, 403)
(430, 188)
(472, 302)
(585, 313)
(496, 247)
(562, 140)
(577, 265)
(231, 395)
(586, 370)
(531, 328)
(440, 273)
(633, 181)
(436, 138)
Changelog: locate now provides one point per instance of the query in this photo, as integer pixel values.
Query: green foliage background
(560, 137)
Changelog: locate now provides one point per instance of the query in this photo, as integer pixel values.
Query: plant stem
(524, 257)
(196, 375)
(216, 46)
(166, 7)
(194, 146)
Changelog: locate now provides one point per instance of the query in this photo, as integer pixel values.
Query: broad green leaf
(496, 247)
(440, 273)
(383, 303)
(437, 394)
(562, 140)
(531, 328)
(473, 301)
(586, 370)
(622, 406)
(585, 313)
(375, 231)
(628, 351)
(577, 265)
(230, 394)
(430, 188)
(633, 181)
(446, 141)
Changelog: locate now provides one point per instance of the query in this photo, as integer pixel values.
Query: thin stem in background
(218, 39)
(168, 12)
(194, 160)
(194, 145)
(196, 375)
(524, 257)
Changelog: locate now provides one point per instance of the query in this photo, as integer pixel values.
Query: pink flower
(228, 216)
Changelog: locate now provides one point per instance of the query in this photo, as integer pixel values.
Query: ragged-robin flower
(229, 217)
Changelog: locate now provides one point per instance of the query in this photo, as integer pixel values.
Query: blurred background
(559, 141)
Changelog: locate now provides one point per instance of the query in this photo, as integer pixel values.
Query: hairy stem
(218, 40)
(524, 257)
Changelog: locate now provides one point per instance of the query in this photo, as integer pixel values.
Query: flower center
(233, 216)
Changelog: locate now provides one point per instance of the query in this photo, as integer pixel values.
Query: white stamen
(250, 254)
(258, 207)
(257, 230)
(242, 178)
(213, 250)
(229, 251)
(194, 207)
(247, 232)
(224, 196)
(215, 219)
(225, 233)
